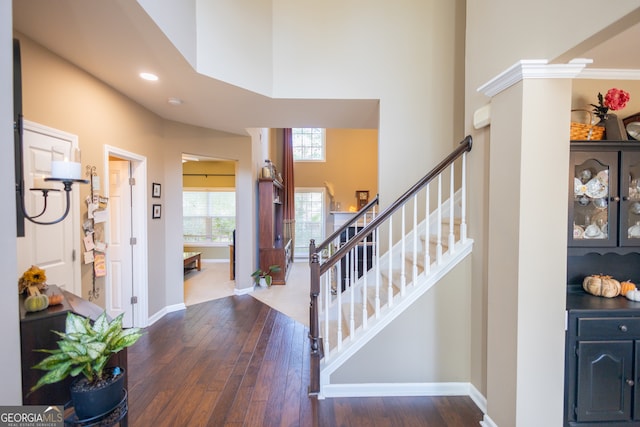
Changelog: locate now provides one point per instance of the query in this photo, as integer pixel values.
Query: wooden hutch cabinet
(274, 247)
(602, 358)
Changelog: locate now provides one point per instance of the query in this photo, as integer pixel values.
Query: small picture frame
(362, 198)
(157, 211)
(156, 190)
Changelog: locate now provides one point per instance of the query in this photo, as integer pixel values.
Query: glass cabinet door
(630, 195)
(593, 204)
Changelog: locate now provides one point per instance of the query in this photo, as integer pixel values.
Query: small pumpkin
(36, 302)
(633, 295)
(55, 299)
(601, 286)
(627, 286)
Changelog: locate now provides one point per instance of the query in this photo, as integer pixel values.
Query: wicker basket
(586, 131)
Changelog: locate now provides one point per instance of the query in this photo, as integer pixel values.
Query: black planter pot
(92, 400)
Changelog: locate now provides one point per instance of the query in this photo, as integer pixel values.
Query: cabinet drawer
(612, 327)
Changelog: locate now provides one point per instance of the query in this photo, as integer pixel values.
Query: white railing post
(415, 240)
(327, 298)
(439, 222)
(427, 234)
(463, 203)
(352, 276)
(403, 253)
(390, 259)
(452, 237)
(365, 269)
(376, 250)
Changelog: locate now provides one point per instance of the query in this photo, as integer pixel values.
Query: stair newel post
(463, 202)
(314, 336)
(427, 228)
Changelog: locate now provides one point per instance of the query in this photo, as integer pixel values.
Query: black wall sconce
(66, 172)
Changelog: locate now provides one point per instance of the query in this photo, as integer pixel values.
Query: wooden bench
(191, 258)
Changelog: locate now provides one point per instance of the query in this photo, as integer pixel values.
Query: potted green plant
(85, 348)
(263, 278)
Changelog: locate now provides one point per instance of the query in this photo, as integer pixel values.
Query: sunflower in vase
(34, 277)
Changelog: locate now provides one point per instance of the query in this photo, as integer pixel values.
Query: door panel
(55, 248)
(120, 286)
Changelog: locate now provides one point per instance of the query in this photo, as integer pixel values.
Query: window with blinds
(209, 216)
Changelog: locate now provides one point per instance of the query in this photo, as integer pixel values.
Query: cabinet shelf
(274, 247)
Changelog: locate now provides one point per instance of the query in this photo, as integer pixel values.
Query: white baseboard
(396, 389)
(487, 422)
(478, 398)
(168, 309)
(243, 291)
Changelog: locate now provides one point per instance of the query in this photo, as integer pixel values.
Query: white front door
(55, 248)
(120, 273)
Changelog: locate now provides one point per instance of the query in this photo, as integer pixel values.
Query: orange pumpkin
(627, 286)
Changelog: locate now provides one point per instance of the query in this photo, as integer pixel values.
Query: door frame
(139, 225)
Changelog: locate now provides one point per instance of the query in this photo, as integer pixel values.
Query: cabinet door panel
(605, 372)
(592, 209)
(630, 199)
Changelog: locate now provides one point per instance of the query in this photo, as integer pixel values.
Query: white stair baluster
(390, 259)
(415, 240)
(452, 237)
(403, 252)
(427, 230)
(376, 251)
(463, 203)
(439, 222)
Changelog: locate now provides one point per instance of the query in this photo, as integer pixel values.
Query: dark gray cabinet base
(602, 354)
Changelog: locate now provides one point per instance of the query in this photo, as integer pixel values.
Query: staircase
(361, 284)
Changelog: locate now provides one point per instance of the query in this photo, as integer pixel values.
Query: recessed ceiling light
(174, 101)
(149, 76)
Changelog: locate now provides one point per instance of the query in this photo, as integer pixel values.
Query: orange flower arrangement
(34, 276)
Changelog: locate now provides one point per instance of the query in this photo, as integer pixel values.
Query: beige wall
(79, 104)
(352, 160)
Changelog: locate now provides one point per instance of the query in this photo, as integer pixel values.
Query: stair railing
(339, 270)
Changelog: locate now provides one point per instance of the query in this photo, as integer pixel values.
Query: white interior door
(55, 248)
(119, 271)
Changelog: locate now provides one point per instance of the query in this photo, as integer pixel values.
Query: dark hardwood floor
(237, 362)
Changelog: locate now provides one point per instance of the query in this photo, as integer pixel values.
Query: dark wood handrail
(465, 146)
(346, 225)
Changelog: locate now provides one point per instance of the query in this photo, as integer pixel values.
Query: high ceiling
(102, 37)
(113, 40)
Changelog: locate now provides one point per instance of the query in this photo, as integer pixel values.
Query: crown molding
(532, 69)
(609, 74)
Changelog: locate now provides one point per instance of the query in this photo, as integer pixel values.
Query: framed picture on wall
(155, 190)
(362, 198)
(157, 211)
